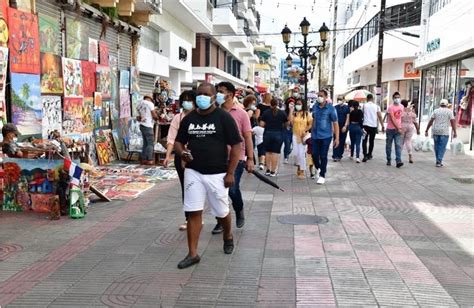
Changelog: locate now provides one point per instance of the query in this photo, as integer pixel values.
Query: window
(436, 5)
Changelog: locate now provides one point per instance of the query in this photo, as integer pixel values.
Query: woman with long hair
(264, 106)
(302, 121)
(409, 123)
(356, 120)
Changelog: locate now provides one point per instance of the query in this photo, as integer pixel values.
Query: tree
(25, 91)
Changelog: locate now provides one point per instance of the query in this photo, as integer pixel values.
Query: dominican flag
(74, 171)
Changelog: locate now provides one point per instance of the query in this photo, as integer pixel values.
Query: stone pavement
(395, 237)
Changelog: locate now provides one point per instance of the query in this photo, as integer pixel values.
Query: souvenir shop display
(26, 104)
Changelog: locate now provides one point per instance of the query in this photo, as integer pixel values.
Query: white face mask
(339, 102)
(15, 139)
(397, 100)
(253, 107)
(298, 107)
(320, 99)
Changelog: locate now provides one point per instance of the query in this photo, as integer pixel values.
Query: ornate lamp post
(306, 50)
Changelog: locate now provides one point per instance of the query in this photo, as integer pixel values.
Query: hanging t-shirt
(207, 137)
(144, 109)
(396, 110)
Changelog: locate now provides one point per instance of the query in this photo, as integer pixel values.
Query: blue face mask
(203, 102)
(187, 105)
(220, 98)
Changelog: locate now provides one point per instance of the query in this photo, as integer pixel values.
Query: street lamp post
(305, 51)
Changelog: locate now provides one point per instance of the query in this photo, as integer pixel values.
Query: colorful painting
(134, 135)
(104, 81)
(88, 114)
(52, 117)
(93, 50)
(72, 75)
(49, 34)
(135, 100)
(51, 74)
(113, 62)
(88, 77)
(103, 53)
(119, 146)
(134, 80)
(97, 114)
(105, 146)
(25, 5)
(124, 79)
(77, 34)
(125, 111)
(105, 117)
(72, 120)
(97, 100)
(24, 42)
(26, 103)
(3, 70)
(3, 113)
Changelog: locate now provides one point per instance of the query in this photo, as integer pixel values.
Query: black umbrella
(265, 179)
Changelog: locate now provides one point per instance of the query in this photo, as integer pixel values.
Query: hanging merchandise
(134, 80)
(103, 53)
(77, 34)
(88, 77)
(72, 120)
(23, 42)
(93, 50)
(125, 104)
(72, 75)
(51, 74)
(103, 79)
(25, 103)
(52, 118)
(124, 79)
(49, 34)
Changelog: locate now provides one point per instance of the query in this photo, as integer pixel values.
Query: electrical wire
(408, 42)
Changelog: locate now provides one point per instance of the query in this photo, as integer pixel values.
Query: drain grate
(302, 219)
(464, 180)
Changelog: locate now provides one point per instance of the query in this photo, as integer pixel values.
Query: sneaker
(239, 219)
(183, 227)
(399, 164)
(273, 174)
(369, 157)
(261, 167)
(228, 246)
(389, 163)
(313, 176)
(321, 180)
(267, 173)
(218, 229)
(189, 261)
(438, 164)
(358, 160)
(285, 161)
(365, 159)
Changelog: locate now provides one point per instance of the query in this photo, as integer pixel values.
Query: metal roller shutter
(147, 84)
(125, 51)
(51, 9)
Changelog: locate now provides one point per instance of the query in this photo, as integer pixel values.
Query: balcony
(154, 6)
(248, 51)
(151, 62)
(190, 13)
(224, 21)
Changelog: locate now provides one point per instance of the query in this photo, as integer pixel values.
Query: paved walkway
(395, 237)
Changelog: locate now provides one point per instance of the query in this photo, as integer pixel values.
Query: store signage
(433, 45)
(183, 54)
(410, 71)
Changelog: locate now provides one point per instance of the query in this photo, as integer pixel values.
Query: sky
(274, 14)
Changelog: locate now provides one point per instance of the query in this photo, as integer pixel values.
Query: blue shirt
(342, 111)
(323, 119)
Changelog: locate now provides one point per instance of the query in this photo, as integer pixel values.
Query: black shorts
(261, 149)
(273, 141)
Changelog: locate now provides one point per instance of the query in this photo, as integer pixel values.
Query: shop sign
(410, 71)
(433, 45)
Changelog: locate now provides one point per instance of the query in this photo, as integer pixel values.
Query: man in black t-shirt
(202, 142)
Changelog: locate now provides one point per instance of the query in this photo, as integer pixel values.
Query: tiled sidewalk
(395, 237)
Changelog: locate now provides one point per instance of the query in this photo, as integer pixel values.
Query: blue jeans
(147, 150)
(355, 132)
(338, 152)
(440, 143)
(393, 136)
(287, 142)
(234, 191)
(320, 154)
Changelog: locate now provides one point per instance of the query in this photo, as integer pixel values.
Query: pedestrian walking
(325, 126)
(209, 167)
(250, 105)
(355, 123)
(288, 131)
(264, 105)
(372, 114)
(187, 101)
(309, 157)
(343, 111)
(441, 119)
(409, 123)
(394, 130)
(146, 117)
(302, 121)
(258, 132)
(225, 98)
(274, 121)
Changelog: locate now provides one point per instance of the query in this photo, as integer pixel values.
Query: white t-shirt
(370, 114)
(144, 109)
(258, 131)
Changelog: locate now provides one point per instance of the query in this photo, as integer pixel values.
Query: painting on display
(88, 114)
(97, 109)
(103, 53)
(25, 5)
(119, 146)
(125, 103)
(72, 76)
(105, 147)
(88, 77)
(97, 100)
(3, 69)
(113, 62)
(49, 34)
(105, 117)
(26, 103)
(3, 113)
(134, 135)
(52, 117)
(124, 79)
(93, 50)
(104, 81)
(72, 120)
(77, 34)
(23, 42)
(51, 74)
(135, 100)
(134, 80)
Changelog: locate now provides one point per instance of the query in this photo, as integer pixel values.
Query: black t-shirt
(356, 116)
(207, 137)
(262, 109)
(10, 149)
(274, 122)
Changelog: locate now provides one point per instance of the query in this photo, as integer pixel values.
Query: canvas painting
(25, 5)
(103, 53)
(104, 81)
(88, 114)
(51, 74)
(105, 118)
(93, 50)
(119, 146)
(26, 103)
(52, 117)
(49, 34)
(135, 100)
(3, 113)
(77, 34)
(97, 118)
(113, 62)
(97, 100)
(72, 76)
(125, 111)
(24, 42)
(88, 77)
(134, 80)
(72, 120)
(3, 69)
(124, 79)
(105, 146)
(134, 135)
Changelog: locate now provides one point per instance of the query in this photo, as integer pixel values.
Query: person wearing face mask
(342, 110)
(250, 105)
(146, 117)
(10, 138)
(394, 130)
(301, 120)
(202, 143)
(187, 101)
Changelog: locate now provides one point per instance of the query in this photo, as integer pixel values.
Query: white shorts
(198, 186)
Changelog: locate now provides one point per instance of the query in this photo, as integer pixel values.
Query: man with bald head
(202, 142)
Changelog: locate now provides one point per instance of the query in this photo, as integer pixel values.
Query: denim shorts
(273, 141)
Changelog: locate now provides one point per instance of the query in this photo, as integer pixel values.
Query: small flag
(74, 171)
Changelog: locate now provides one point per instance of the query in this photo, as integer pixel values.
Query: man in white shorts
(202, 142)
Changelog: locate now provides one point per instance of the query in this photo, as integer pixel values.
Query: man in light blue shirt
(325, 125)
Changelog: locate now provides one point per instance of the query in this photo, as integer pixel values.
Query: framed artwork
(124, 79)
(135, 100)
(49, 34)
(72, 76)
(125, 111)
(88, 78)
(72, 120)
(104, 81)
(103, 53)
(23, 42)
(105, 146)
(134, 80)
(105, 117)
(93, 50)
(77, 34)
(3, 69)
(26, 104)
(134, 135)
(113, 63)
(88, 114)
(51, 74)
(52, 117)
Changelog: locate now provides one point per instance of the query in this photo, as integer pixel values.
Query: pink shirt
(243, 124)
(396, 110)
(174, 127)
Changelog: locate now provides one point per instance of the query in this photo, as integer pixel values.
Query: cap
(444, 102)
(149, 96)
(9, 128)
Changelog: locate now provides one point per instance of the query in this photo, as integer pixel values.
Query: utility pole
(378, 85)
